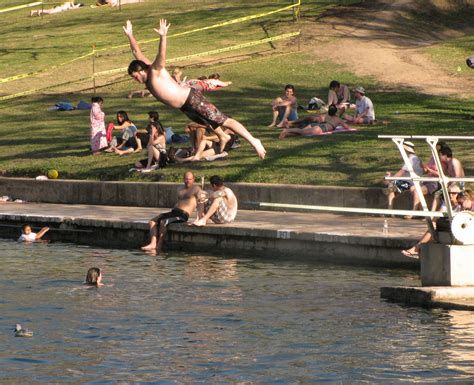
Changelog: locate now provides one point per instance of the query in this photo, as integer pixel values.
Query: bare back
(164, 88)
(334, 121)
(231, 201)
(455, 169)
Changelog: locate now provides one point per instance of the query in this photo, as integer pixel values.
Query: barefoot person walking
(190, 101)
(187, 202)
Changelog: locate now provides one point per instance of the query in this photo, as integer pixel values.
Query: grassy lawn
(35, 140)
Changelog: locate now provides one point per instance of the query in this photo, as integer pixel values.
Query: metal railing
(442, 179)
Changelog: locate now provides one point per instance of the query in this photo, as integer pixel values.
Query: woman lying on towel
(331, 121)
(59, 8)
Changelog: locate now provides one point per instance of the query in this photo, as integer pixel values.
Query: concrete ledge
(458, 298)
(267, 234)
(447, 265)
(163, 194)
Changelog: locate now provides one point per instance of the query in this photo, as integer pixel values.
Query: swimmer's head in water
(137, 69)
(93, 276)
(26, 229)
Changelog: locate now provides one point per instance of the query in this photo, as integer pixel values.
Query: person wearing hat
(454, 192)
(365, 113)
(398, 186)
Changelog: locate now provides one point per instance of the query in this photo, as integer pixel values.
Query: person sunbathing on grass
(203, 83)
(190, 101)
(57, 9)
(331, 121)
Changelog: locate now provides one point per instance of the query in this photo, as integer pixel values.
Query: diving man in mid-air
(190, 101)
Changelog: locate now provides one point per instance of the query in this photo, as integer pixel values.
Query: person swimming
(27, 234)
(94, 277)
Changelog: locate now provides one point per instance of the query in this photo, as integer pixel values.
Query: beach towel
(62, 106)
(108, 134)
(83, 105)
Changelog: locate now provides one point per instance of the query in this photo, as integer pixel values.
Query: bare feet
(258, 146)
(283, 123)
(273, 124)
(199, 222)
(283, 134)
(149, 247)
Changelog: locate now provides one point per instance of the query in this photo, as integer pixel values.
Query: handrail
(432, 141)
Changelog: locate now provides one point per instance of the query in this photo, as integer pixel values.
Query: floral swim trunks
(200, 110)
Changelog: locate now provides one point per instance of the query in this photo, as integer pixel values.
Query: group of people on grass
(123, 137)
(127, 140)
(174, 91)
(321, 119)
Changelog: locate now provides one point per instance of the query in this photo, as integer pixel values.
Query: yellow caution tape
(29, 74)
(21, 6)
(209, 53)
(229, 22)
(174, 60)
(29, 92)
(234, 21)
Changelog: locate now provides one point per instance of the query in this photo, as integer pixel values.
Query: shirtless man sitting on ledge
(187, 202)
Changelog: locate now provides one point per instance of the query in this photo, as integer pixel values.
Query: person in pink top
(98, 133)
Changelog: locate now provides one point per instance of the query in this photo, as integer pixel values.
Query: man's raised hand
(128, 28)
(163, 30)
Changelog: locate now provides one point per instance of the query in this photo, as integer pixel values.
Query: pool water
(197, 319)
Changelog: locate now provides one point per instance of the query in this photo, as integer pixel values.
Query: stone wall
(163, 194)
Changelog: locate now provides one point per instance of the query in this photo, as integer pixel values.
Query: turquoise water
(189, 319)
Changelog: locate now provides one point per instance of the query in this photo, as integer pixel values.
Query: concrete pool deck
(318, 236)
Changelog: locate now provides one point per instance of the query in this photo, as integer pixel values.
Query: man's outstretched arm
(160, 60)
(136, 51)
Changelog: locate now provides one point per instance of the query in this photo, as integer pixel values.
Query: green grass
(452, 55)
(35, 140)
